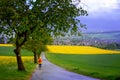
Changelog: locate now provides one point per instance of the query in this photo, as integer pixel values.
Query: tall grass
(104, 66)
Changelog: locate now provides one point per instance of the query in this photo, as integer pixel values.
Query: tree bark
(19, 60)
(39, 55)
(35, 57)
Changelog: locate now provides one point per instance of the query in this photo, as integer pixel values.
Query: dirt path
(50, 71)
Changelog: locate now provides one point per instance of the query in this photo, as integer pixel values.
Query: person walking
(40, 62)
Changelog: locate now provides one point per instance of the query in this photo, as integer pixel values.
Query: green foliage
(22, 18)
(104, 66)
(38, 44)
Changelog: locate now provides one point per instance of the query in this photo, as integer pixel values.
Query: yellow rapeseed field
(7, 59)
(12, 59)
(6, 44)
(75, 49)
(79, 50)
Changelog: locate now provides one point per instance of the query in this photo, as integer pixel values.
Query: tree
(21, 18)
(37, 43)
(36, 48)
(1, 40)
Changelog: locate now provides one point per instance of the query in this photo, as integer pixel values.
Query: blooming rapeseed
(75, 49)
(6, 44)
(78, 50)
(7, 59)
(12, 59)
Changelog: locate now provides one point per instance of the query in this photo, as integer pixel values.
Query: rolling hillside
(105, 36)
(106, 40)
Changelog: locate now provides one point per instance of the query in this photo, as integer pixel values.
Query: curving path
(50, 71)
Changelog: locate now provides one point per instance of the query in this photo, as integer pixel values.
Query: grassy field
(87, 60)
(8, 65)
(8, 51)
(104, 66)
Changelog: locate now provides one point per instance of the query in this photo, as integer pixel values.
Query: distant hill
(90, 38)
(113, 36)
(102, 32)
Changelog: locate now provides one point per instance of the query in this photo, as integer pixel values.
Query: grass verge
(104, 66)
(8, 64)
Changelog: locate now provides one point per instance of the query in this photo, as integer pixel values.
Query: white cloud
(99, 7)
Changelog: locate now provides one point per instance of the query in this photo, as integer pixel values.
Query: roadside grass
(104, 66)
(8, 64)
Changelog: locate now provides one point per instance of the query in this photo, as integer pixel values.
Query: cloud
(99, 7)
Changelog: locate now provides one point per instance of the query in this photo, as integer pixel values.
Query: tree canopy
(21, 18)
(38, 43)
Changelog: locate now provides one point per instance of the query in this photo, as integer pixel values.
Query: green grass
(8, 65)
(8, 70)
(105, 66)
(8, 51)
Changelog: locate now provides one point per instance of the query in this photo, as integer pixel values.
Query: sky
(103, 15)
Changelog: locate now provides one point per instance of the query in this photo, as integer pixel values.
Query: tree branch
(25, 39)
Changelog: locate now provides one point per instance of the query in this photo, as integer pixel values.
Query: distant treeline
(108, 46)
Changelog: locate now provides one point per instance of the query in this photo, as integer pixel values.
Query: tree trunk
(38, 55)
(19, 60)
(35, 57)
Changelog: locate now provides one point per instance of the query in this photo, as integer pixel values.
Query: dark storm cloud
(103, 20)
